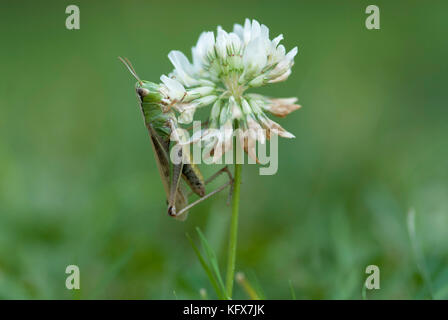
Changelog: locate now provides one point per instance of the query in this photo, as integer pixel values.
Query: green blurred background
(79, 184)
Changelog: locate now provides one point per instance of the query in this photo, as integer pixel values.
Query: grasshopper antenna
(129, 66)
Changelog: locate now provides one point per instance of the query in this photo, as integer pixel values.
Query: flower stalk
(233, 235)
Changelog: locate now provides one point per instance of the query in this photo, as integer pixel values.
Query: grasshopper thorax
(147, 91)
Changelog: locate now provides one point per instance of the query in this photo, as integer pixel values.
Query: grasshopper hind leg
(229, 175)
(219, 189)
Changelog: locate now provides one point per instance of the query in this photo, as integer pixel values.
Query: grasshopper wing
(161, 151)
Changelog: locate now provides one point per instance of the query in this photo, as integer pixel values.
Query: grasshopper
(161, 123)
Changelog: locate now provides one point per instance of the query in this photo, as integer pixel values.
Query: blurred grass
(78, 182)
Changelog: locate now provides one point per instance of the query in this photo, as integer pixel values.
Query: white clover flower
(222, 69)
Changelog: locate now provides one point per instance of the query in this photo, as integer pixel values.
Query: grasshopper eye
(142, 92)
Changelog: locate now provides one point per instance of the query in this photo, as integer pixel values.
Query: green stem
(233, 231)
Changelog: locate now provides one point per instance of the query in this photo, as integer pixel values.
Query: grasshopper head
(147, 91)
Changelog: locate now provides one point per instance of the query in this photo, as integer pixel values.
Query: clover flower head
(223, 68)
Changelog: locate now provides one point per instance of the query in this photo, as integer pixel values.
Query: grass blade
(247, 287)
(112, 273)
(208, 271)
(418, 252)
(212, 259)
(293, 292)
